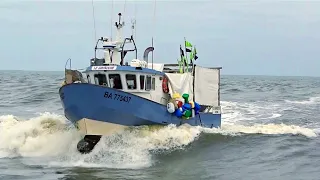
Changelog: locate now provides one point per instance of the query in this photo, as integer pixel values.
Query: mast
(119, 26)
(112, 49)
(154, 19)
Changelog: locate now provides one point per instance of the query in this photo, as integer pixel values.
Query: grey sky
(244, 37)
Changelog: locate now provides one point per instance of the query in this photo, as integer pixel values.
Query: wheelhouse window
(148, 83)
(142, 82)
(115, 81)
(89, 80)
(153, 83)
(131, 81)
(100, 79)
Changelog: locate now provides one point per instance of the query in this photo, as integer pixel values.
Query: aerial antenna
(124, 8)
(154, 19)
(94, 21)
(111, 19)
(133, 22)
(134, 27)
(119, 24)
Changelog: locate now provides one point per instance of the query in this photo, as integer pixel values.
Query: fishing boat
(112, 94)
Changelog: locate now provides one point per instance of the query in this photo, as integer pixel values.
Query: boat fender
(193, 113)
(170, 107)
(186, 98)
(178, 112)
(165, 88)
(187, 113)
(192, 104)
(186, 106)
(196, 108)
(176, 96)
(180, 104)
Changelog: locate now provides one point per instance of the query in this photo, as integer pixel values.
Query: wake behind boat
(112, 94)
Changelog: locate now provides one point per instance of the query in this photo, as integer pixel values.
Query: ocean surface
(270, 130)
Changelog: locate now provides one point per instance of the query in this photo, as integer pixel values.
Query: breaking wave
(50, 135)
(310, 101)
(39, 136)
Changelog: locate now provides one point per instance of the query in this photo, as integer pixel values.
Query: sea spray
(51, 135)
(45, 135)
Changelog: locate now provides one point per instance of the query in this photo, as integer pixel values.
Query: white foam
(39, 136)
(310, 101)
(233, 112)
(269, 129)
(131, 148)
(49, 138)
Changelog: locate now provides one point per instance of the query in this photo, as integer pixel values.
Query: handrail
(176, 65)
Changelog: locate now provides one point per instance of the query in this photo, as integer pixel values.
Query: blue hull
(81, 100)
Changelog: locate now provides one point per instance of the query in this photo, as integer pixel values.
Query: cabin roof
(122, 68)
(165, 68)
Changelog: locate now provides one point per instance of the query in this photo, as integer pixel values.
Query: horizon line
(223, 74)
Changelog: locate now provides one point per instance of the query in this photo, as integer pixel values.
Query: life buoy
(165, 88)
